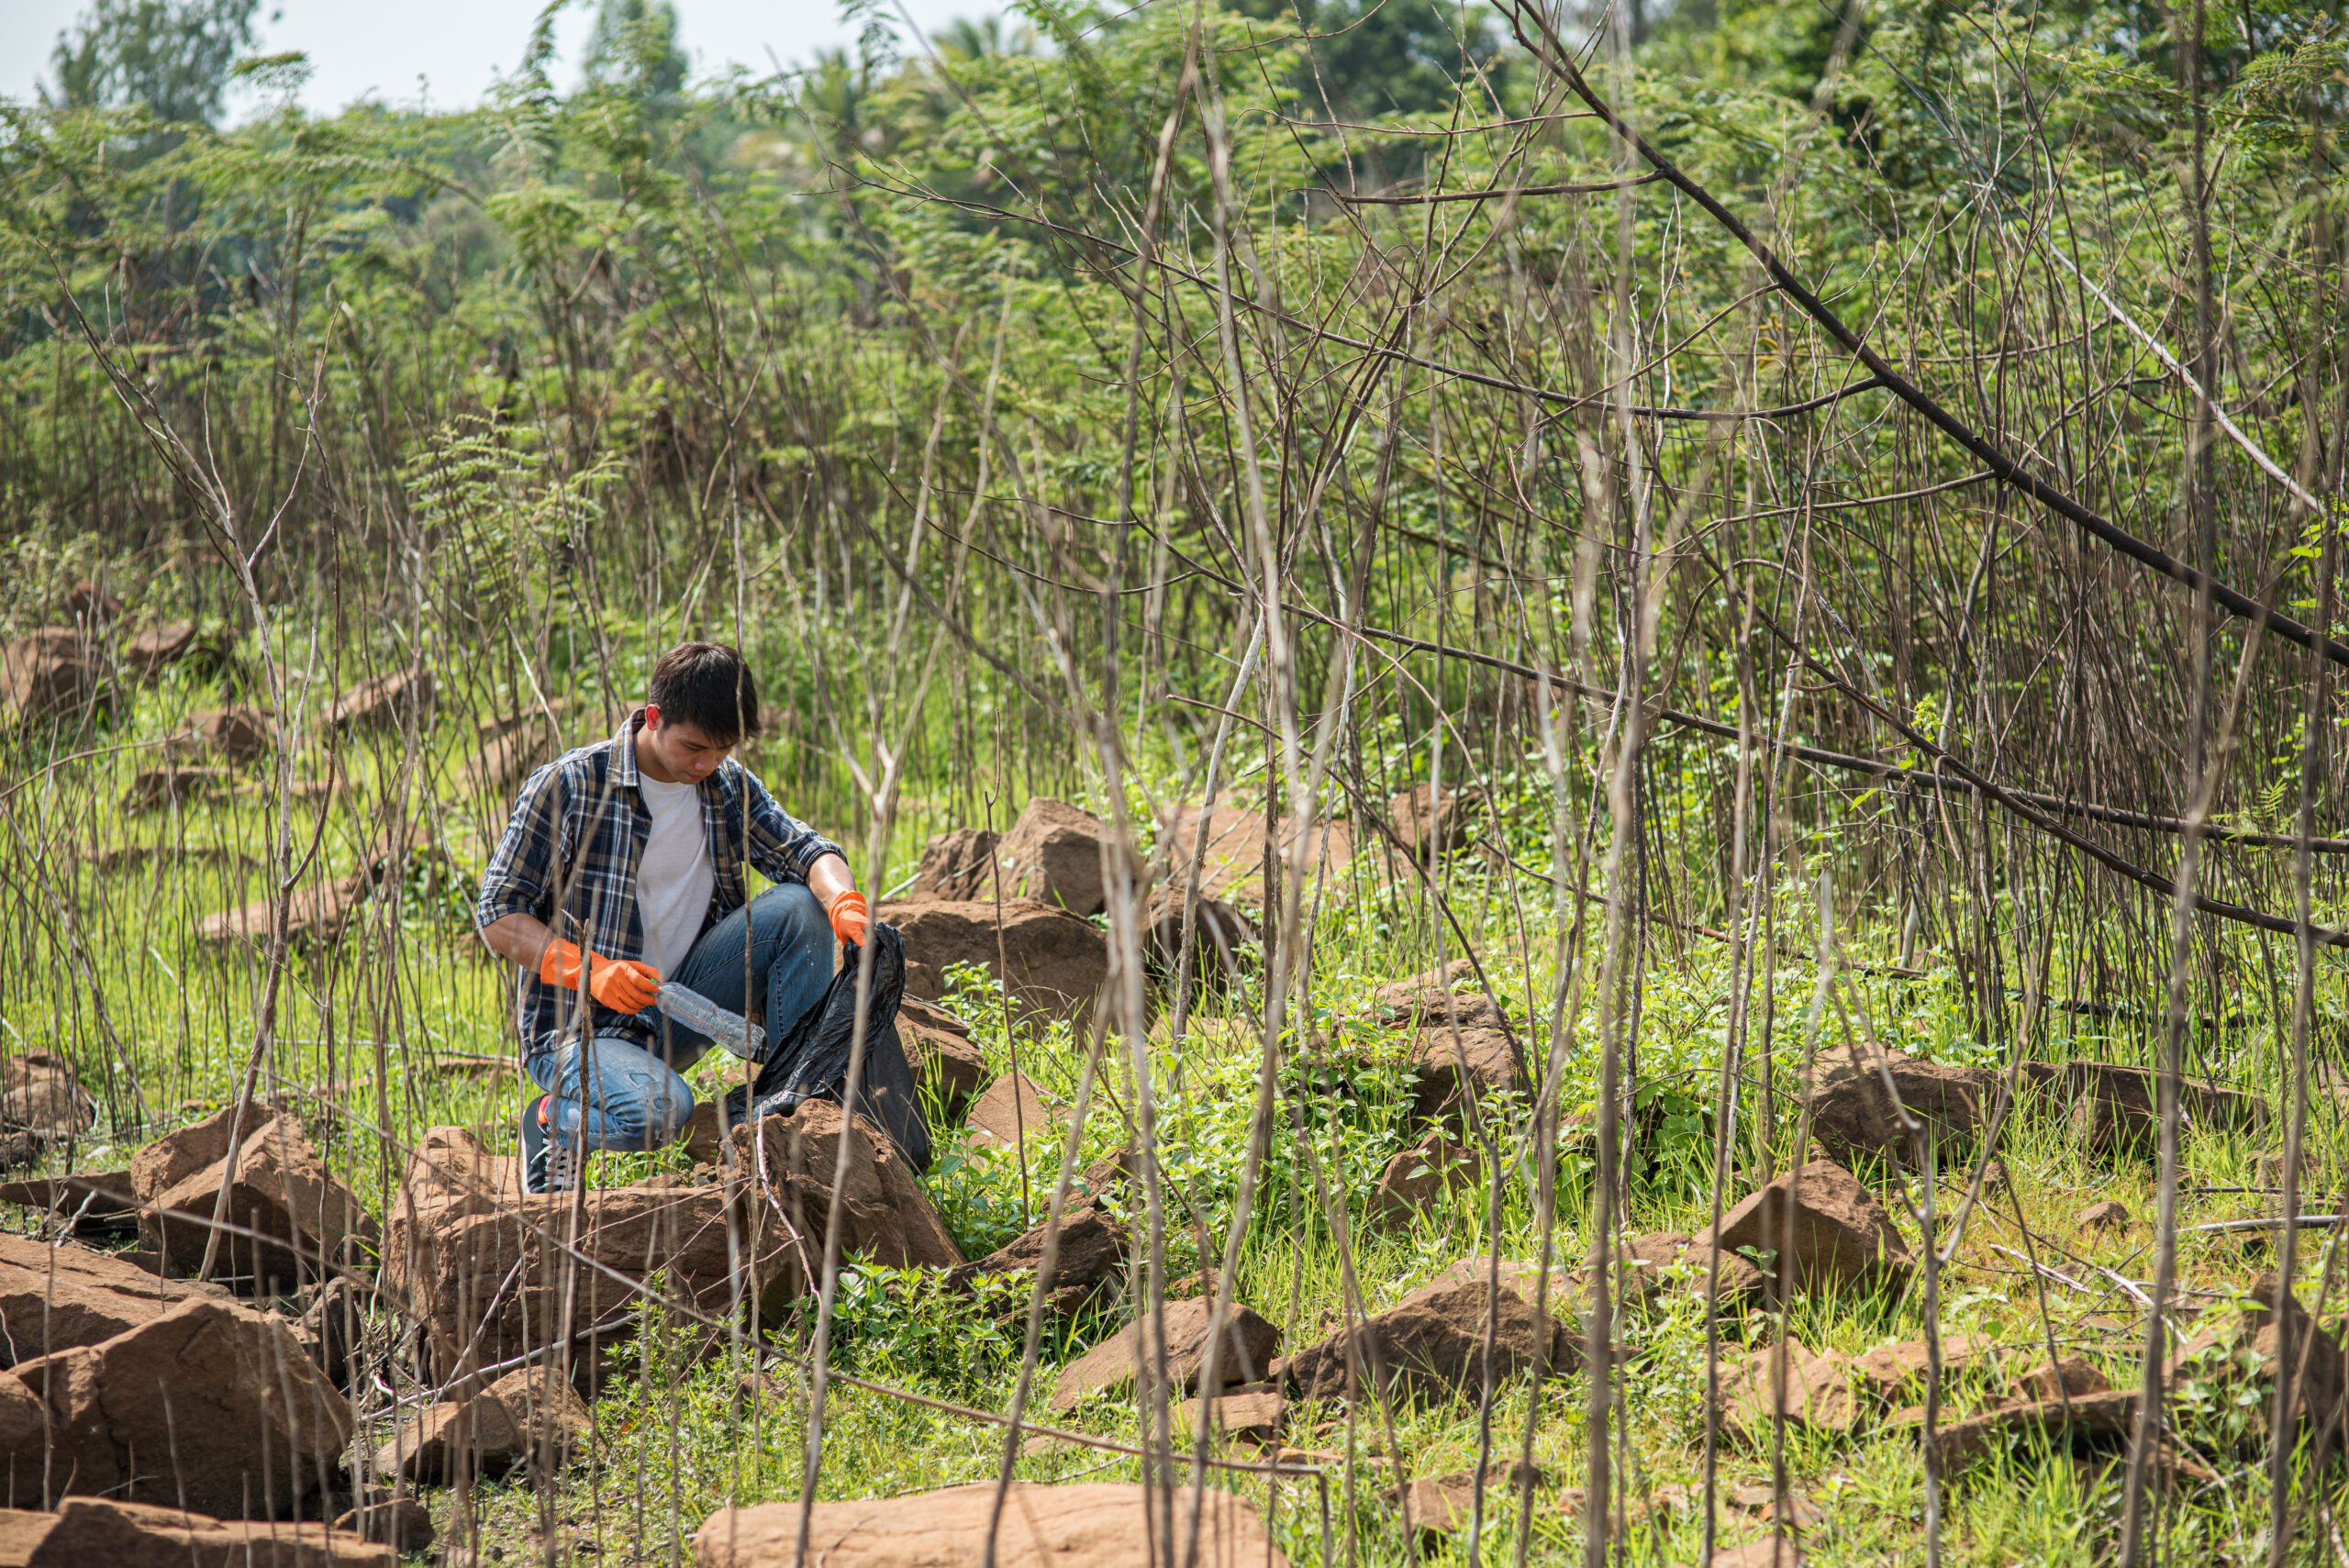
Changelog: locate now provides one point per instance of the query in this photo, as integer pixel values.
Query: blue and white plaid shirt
(570, 855)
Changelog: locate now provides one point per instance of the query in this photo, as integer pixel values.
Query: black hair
(707, 686)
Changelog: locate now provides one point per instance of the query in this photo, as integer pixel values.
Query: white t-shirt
(674, 877)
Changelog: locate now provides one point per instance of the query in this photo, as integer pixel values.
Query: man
(623, 866)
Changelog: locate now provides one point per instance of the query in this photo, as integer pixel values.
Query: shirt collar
(624, 771)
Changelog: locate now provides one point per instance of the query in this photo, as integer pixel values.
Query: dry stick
(1559, 59)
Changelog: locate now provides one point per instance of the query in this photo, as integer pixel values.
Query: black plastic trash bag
(811, 1061)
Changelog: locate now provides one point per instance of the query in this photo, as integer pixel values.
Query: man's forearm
(827, 878)
(519, 940)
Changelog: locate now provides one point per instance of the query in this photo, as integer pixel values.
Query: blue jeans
(779, 946)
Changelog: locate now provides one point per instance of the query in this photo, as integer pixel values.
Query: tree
(173, 56)
(634, 48)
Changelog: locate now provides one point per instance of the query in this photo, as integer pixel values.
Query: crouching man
(622, 867)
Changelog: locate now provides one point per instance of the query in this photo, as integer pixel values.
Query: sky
(445, 52)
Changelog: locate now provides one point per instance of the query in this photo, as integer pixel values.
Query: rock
(2070, 1377)
(156, 648)
(380, 702)
(1431, 1171)
(292, 1219)
(1840, 1234)
(1056, 962)
(487, 1278)
(42, 1099)
(1438, 1505)
(96, 1205)
(1771, 1551)
(1112, 1367)
(59, 1297)
(1856, 1119)
(2089, 1418)
(89, 604)
(2237, 1349)
(234, 735)
(1889, 1371)
(210, 1406)
(1252, 1416)
(1455, 1066)
(2113, 1108)
(1012, 1111)
(1447, 995)
(1429, 822)
(1056, 853)
(511, 756)
(315, 914)
(704, 1134)
(451, 1168)
(50, 675)
(957, 865)
(947, 1066)
(151, 787)
(1096, 1524)
(2109, 1215)
(1817, 1392)
(1232, 869)
(404, 1524)
(887, 1216)
(92, 1532)
(1217, 931)
(1090, 1257)
(1430, 1345)
(525, 1415)
(333, 1326)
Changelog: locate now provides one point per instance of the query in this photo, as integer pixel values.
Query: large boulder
(2088, 1420)
(1430, 1346)
(210, 1406)
(1216, 930)
(1057, 853)
(947, 1066)
(1430, 822)
(1855, 1116)
(957, 864)
(1113, 1367)
(288, 1217)
(50, 675)
(1231, 865)
(57, 1297)
(885, 1213)
(1014, 1111)
(1049, 959)
(156, 648)
(230, 735)
(1816, 1226)
(526, 1416)
(380, 702)
(93, 1205)
(1434, 1171)
(98, 1532)
(1457, 1064)
(1806, 1389)
(1098, 1524)
(42, 1102)
(2115, 1110)
(1088, 1258)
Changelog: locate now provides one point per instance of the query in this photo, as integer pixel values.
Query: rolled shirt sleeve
(779, 844)
(523, 864)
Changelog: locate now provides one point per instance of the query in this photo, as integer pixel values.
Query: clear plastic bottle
(698, 1013)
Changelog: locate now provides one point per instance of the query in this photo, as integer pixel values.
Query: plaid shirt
(569, 857)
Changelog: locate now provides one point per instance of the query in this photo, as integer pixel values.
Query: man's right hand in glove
(620, 984)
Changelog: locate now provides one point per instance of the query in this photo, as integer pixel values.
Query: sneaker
(549, 1164)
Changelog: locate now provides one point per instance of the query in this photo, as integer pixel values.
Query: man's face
(684, 751)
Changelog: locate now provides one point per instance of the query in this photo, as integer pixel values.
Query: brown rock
(2064, 1423)
(290, 1218)
(1217, 931)
(947, 1066)
(1641, 1262)
(1452, 994)
(1817, 1392)
(1090, 1256)
(1011, 1111)
(234, 735)
(90, 603)
(1252, 1416)
(1770, 1551)
(1889, 1371)
(1855, 1117)
(55, 1298)
(1430, 1345)
(511, 756)
(1098, 1525)
(957, 865)
(1840, 1234)
(1430, 823)
(1112, 1366)
(210, 1406)
(1232, 868)
(887, 1216)
(1057, 962)
(315, 914)
(404, 1524)
(526, 1414)
(151, 787)
(41, 1098)
(451, 1170)
(2070, 1377)
(92, 1532)
(2109, 1215)
(2113, 1108)
(156, 648)
(1057, 853)
(49, 674)
(2239, 1347)
(1437, 1506)
(96, 1205)
(1430, 1171)
(1455, 1066)
(380, 702)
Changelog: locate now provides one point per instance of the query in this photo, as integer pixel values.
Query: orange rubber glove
(850, 920)
(620, 984)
